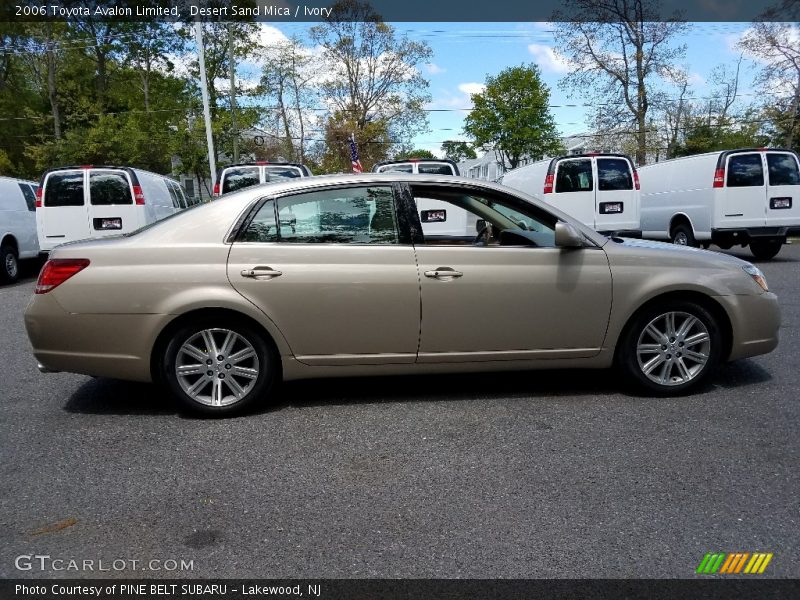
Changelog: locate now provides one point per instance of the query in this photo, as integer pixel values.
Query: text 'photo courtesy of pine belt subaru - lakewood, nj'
(221, 301)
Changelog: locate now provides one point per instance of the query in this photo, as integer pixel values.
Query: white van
(735, 197)
(17, 225)
(243, 175)
(426, 166)
(75, 203)
(600, 190)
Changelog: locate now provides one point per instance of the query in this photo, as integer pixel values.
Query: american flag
(354, 155)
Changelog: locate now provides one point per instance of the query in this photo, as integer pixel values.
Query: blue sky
(465, 53)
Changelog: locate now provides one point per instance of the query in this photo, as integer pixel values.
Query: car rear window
(436, 169)
(613, 174)
(574, 176)
(278, 173)
(30, 196)
(108, 188)
(745, 170)
(782, 169)
(401, 168)
(64, 189)
(239, 178)
(175, 194)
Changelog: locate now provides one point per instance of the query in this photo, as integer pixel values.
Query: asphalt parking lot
(538, 474)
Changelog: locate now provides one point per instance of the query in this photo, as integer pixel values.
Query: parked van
(243, 175)
(600, 190)
(747, 197)
(75, 203)
(426, 166)
(17, 225)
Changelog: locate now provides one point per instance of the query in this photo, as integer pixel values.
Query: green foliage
(702, 136)
(512, 117)
(418, 153)
(458, 151)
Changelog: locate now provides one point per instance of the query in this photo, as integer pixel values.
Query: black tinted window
(745, 170)
(574, 176)
(613, 174)
(278, 173)
(64, 189)
(262, 228)
(30, 196)
(106, 188)
(782, 169)
(396, 169)
(237, 179)
(440, 169)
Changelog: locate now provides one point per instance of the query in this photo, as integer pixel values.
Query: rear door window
(277, 173)
(435, 169)
(240, 178)
(402, 168)
(175, 194)
(613, 174)
(745, 170)
(574, 176)
(108, 188)
(782, 169)
(30, 196)
(64, 189)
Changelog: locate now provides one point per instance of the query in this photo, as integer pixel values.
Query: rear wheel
(219, 367)
(765, 249)
(670, 348)
(9, 264)
(682, 235)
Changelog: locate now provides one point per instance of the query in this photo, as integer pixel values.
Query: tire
(661, 366)
(682, 235)
(9, 264)
(228, 385)
(765, 249)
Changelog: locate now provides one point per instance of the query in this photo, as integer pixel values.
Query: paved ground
(540, 474)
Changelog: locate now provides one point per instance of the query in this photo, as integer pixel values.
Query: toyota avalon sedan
(346, 276)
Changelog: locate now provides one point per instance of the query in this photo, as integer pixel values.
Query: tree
(700, 135)
(373, 142)
(416, 153)
(616, 49)
(458, 151)
(372, 74)
(512, 117)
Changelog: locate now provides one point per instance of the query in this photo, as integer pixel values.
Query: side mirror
(567, 236)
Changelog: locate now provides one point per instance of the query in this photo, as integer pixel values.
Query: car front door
(335, 271)
(504, 300)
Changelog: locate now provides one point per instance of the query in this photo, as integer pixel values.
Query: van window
(277, 173)
(239, 178)
(745, 170)
(434, 169)
(188, 185)
(64, 189)
(107, 188)
(613, 174)
(175, 194)
(782, 169)
(404, 168)
(574, 176)
(30, 196)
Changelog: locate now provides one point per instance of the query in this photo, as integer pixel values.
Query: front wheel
(765, 249)
(219, 367)
(9, 264)
(670, 348)
(682, 235)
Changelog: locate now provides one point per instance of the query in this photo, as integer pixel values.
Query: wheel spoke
(234, 386)
(184, 370)
(655, 333)
(663, 378)
(682, 369)
(670, 324)
(697, 357)
(648, 348)
(216, 393)
(697, 338)
(195, 388)
(245, 372)
(227, 345)
(242, 355)
(195, 353)
(686, 326)
(650, 365)
(208, 338)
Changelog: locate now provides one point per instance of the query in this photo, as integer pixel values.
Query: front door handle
(261, 273)
(444, 273)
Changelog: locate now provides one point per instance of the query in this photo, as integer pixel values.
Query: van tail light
(636, 180)
(719, 178)
(216, 189)
(56, 271)
(548, 184)
(38, 197)
(138, 195)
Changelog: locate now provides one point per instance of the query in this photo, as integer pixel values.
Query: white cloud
(433, 69)
(471, 88)
(548, 59)
(267, 35)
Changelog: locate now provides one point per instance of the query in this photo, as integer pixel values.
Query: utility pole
(212, 159)
(234, 131)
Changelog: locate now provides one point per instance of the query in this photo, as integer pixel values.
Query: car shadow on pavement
(102, 396)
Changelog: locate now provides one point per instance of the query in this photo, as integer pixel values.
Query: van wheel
(218, 367)
(682, 235)
(9, 264)
(765, 249)
(669, 348)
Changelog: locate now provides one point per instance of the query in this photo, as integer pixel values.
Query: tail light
(216, 189)
(548, 184)
(56, 271)
(38, 197)
(138, 195)
(719, 178)
(636, 180)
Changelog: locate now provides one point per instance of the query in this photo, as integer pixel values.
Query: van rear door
(783, 189)
(574, 189)
(111, 205)
(744, 202)
(64, 215)
(616, 201)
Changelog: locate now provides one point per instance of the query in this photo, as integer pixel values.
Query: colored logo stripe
(733, 563)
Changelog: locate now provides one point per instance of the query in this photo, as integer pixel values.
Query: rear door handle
(444, 273)
(261, 273)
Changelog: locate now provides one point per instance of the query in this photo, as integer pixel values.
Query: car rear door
(616, 207)
(783, 189)
(334, 269)
(573, 190)
(64, 215)
(744, 203)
